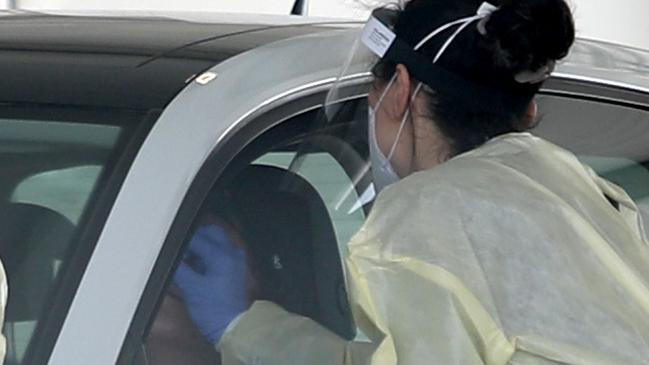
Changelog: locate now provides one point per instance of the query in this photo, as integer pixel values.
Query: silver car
(119, 134)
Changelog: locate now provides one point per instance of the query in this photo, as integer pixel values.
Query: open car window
(611, 139)
(334, 187)
(292, 211)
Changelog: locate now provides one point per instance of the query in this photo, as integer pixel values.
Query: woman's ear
(530, 119)
(401, 92)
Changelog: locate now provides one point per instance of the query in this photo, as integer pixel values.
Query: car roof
(608, 64)
(141, 60)
(148, 33)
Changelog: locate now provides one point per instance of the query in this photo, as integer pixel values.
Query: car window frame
(211, 171)
(225, 152)
(596, 91)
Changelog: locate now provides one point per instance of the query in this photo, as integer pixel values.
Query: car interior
(47, 173)
(611, 139)
(292, 252)
(297, 266)
(289, 237)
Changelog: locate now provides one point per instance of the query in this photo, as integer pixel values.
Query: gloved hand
(212, 278)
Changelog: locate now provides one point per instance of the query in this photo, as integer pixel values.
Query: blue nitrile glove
(212, 278)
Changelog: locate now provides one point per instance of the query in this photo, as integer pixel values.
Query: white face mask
(382, 170)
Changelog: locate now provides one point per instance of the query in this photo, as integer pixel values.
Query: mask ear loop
(385, 91)
(376, 110)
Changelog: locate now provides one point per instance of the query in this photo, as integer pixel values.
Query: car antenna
(301, 7)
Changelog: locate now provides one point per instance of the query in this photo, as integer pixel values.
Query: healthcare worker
(487, 244)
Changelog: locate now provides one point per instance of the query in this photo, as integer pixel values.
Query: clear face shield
(346, 127)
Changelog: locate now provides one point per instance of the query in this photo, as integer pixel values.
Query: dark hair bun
(527, 34)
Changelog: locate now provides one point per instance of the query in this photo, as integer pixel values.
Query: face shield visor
(347, 121)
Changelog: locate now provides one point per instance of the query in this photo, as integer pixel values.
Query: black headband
(442, 80)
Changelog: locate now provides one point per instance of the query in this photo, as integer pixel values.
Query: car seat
(628, 174)
(292, 245)
(33, 240)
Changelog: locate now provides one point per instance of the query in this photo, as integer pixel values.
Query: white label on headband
(377, 37)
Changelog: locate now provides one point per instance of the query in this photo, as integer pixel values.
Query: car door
(190, 145)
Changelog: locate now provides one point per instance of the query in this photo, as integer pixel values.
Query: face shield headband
(384, 43)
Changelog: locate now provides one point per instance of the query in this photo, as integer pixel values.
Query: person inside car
(486, 245)
(174, 338)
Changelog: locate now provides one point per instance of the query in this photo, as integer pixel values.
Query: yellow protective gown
(508, 254)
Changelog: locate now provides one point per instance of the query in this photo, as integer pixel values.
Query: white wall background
(620, 21)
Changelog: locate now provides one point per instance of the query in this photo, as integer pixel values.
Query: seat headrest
(32, 238)
(292, 243)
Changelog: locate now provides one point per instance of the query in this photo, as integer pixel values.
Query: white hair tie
(534, 77)
(485, 12)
